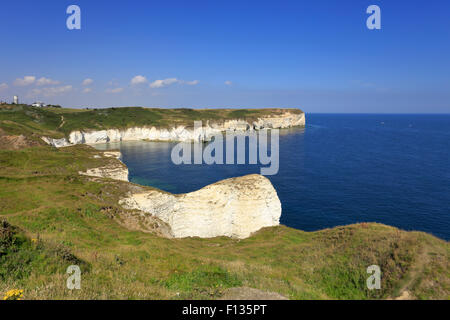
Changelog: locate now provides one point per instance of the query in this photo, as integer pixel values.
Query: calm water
(340, 169)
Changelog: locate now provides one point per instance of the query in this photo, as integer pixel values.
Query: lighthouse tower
(16, 100)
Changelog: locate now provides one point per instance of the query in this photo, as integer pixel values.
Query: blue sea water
(340, 169)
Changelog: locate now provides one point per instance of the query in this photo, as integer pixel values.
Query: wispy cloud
(138, 80)
(115, 90)
(228, 83)
(169, 81)
(191, 83)
(113, 83)
(163, 83)
(87, 82)
(46, 81)
(52, 91)
(87, 90)
(3, 86)
(26, 81)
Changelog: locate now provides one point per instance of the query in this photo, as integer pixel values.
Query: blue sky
(316, 55)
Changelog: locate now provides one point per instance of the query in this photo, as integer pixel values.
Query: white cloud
(27, 80)
(87, 82)
(163, 83)
(228, 83)
(192, 83)
(87, 90)
(3, 86)
(169, 81)
(115, 90)
(138, 80)
(52, 91)
(113, 83)
(46, 81)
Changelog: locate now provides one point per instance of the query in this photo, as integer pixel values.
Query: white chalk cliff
(178, 133)
(113, 170)
(234, 207)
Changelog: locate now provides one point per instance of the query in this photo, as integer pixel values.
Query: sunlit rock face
(179, 133)
(234, 207)
(113, 170)
(58, 143)
(283, 121)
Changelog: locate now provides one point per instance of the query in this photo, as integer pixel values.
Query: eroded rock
(178, 133)
(234, 207)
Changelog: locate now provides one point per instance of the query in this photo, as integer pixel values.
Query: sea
(340, 169)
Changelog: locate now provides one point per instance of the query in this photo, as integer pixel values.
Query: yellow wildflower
(14, 294)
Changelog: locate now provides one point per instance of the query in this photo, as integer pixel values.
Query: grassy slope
(59, 122)
(44, 198)
(43, 195)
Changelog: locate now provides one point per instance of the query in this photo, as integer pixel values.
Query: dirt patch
(11, 142)
(416, 271)
(245, 293)
(138, 221)
(406, 295)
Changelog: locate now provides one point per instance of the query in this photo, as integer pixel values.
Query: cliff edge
(234, 207)
(180, 132)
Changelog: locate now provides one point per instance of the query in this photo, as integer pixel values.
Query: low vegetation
(51, 217)
(57, 122)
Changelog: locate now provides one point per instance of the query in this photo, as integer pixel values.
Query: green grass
(205, 281)
(76, 220)
(23, 119)
(58, 122)
(20, 257)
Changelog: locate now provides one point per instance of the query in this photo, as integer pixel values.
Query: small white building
(16, 100)
(38, 104)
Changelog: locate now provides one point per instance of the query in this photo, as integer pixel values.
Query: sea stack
(234, 207)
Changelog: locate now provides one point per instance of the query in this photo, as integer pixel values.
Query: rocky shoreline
(178, 133)
(234, 207)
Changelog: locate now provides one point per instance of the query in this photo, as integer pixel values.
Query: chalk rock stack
(234, 207)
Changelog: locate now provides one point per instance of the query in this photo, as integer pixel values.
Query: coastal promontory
(75, 206)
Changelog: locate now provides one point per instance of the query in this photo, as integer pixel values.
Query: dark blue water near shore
(340, 169)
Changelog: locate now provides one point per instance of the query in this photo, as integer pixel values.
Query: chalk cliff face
(114, 170)
(179, 133)
(233, 207)
(58, 143)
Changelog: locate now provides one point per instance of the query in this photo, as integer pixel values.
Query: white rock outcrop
(113, 170)
(178, 133)
(58, 143)
(234, 207)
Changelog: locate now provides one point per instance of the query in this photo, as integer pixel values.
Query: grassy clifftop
(56, 218)
(58, 122)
